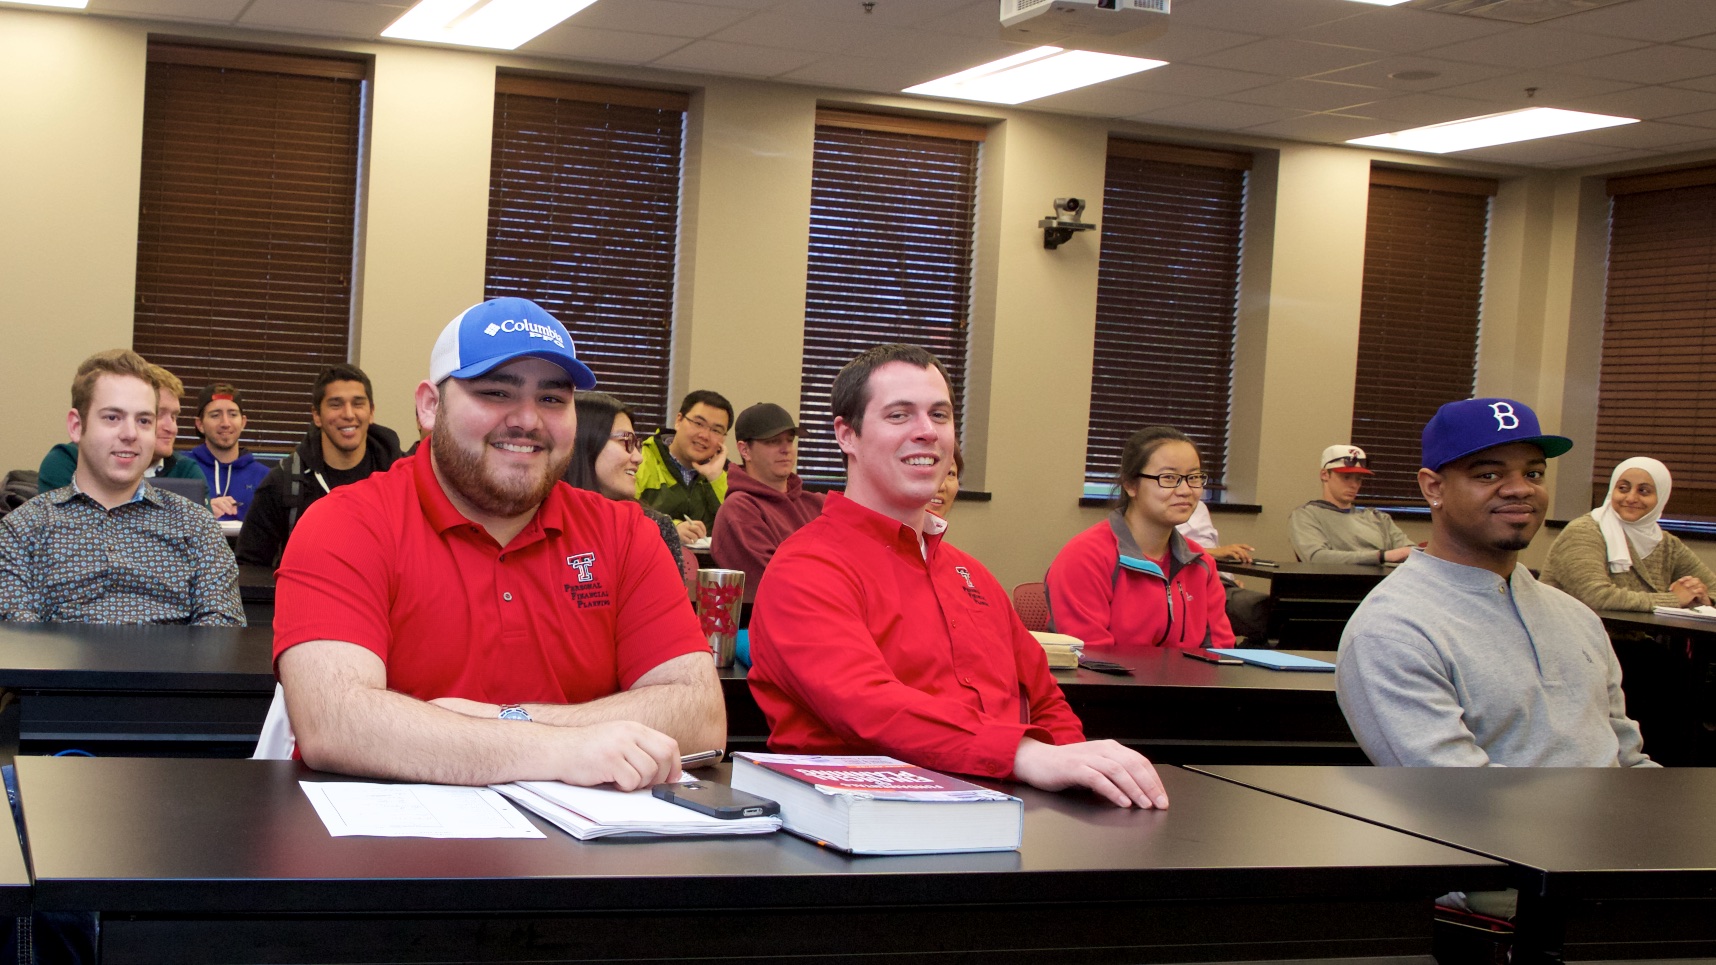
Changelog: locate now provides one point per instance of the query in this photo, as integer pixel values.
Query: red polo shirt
(861, 645)
(578, 606)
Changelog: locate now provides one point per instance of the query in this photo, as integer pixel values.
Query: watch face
(513, 712)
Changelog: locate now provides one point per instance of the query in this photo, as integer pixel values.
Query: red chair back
(1031, 600)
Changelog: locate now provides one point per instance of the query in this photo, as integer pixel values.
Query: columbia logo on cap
(533, 329)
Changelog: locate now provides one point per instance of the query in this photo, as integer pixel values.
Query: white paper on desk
(416, 811)
(1705, 612)
(594, 812)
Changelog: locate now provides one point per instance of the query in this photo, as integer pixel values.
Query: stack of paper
(1695, 612)
(1061, 649)
(595, 812)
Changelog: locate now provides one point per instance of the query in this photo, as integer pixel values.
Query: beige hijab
(1643, 533)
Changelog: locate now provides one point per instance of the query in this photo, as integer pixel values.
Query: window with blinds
(1425, 237)
(584, 220)
(246, 226)
(892, 208)
(1657, 390)
(1166, 297)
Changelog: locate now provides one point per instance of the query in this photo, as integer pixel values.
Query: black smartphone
(716, 800)
(1103, 666)
(1209, 656)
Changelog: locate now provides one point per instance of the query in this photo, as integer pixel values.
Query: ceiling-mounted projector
(1050, 21)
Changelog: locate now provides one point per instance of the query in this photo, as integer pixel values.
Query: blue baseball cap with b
(1459, 429)
(488, 335)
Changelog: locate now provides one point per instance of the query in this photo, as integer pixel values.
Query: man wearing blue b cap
(468, 618)
(1460, 657)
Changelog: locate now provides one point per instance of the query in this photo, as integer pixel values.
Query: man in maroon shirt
(874, 635)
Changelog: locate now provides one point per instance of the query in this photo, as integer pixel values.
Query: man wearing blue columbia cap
(467, 617)
(1460, 657)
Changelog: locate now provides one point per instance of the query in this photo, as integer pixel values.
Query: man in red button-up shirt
(468, 618)
(873, 635)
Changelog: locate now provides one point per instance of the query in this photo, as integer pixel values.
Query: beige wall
(70, 118)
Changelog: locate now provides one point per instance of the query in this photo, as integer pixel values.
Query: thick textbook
(878, 805)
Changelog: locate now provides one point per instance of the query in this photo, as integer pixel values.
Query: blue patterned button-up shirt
(160, 558)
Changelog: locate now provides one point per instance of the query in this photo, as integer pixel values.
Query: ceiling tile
(660, 17)
(1400, 30)
(1322, 127)
(1659, 20)
(974, 18)
(1183, 42)
(1553, 89)
(886, 13)
(1262, 16)
(1193, 81)
(1647, 135)
(1105, 100)
(1217, 115)
(1449, 73)
(1648, 102)
(202, 11)
(1700, 119)
(941, 53)
(1659, 64)
(1524, 47)
(1616, 157)
(326, 17)
(738, 60)
(1309, 95)
(1696, 83)
(1545, 151)
(860, 73)
(1420, 110)
(601, 46)
(805, 33)
(1287, 58)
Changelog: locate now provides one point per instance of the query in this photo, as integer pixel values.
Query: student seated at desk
(1132, 578)
(1247, 610)
(605, 458)
(942, 502)
(1333, 530)
(468, 618)
(61, 461)
(1459, 658)
(766, 501)
(684, 472)
(108, 547)
(1618, 558)
(231, 472)
(874, 635)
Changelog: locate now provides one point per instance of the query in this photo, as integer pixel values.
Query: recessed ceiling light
(1035, 73)
(500, 24)
(1491, 129)
(1381, 3)
(67, 4)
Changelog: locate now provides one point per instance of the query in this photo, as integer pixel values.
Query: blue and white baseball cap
(1459, 429)
(488, 335)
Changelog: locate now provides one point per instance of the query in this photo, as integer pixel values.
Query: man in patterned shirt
(109, 548)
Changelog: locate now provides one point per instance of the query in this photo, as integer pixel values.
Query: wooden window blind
(1425, 236)
(892, 208)
(246, 225)
(584, 187)
(1167, 292)
(1656, 394)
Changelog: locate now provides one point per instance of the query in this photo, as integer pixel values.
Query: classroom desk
(200, 861)
(135, 690)
(256, 590)
(14, 874)
(1310, 602)
(1610, 863)
(1171, 709)
(1668, 666)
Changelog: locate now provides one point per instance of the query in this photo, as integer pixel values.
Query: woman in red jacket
(1132, 578)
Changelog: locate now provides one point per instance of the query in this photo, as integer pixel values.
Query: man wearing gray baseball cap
(766, 501)
(467, 617)
(1460, 657)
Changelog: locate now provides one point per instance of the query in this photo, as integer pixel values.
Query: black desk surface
(181, 834)
(1635, 832)
(1651, 622)
(1345, 572)
(83, 656)
(14, 876)
(255, 583)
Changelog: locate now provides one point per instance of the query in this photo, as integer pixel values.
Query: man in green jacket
(684, 472)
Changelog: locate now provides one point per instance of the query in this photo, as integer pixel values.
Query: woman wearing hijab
(1618, 558)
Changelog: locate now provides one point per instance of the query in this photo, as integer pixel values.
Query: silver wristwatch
(514, 712)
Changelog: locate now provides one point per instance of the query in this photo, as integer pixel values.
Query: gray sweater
(1324, 533)
(1446, 665)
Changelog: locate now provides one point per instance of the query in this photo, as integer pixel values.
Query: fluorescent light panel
(1381, 3)
(68, 4)
(1492, 129)
(1033, 74)
(499, 24)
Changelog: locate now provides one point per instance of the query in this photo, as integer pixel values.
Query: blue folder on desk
(1276, 660)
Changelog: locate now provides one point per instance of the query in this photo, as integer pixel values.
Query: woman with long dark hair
(606, 454)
